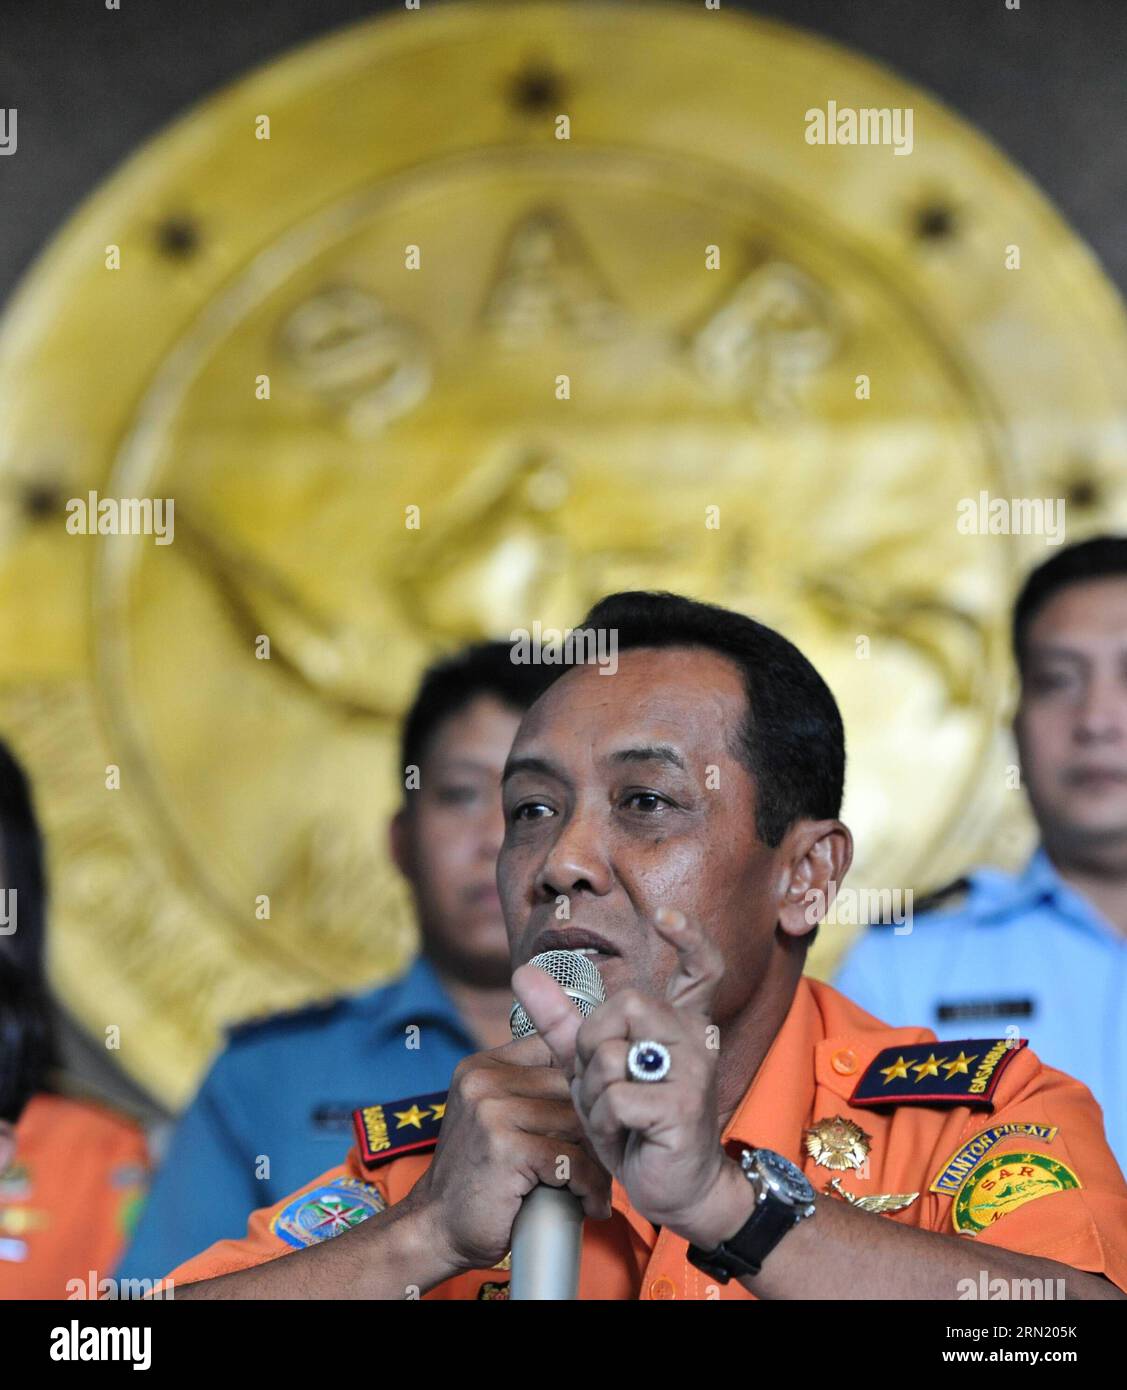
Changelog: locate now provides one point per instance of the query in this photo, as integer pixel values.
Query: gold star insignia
(414, 1116)
(439, 1110)
(898, 1070)
(928, 1068)
(961, 1063)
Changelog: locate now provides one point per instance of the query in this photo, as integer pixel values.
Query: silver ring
(648, 1061)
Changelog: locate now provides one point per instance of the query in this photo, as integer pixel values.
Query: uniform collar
(416, 997)
(1038, 885)
(777, 1104)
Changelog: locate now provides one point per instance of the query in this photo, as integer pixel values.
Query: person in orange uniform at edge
(71, 1172)
(733, 1128)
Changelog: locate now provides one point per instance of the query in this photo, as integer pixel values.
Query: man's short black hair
(1102, 557)
(792, 740)
(486, 668)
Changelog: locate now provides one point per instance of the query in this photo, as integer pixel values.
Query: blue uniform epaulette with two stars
(398, 1127)
(964, 1072)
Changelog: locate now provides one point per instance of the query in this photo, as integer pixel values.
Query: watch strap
(743, 1254)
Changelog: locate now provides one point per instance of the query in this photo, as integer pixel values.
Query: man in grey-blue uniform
(284, 1088)
(1041, 955)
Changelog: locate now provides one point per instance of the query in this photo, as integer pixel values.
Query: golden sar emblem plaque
(453, 322)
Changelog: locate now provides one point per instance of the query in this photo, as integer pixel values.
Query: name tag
(985, 1008)
(330, 1119)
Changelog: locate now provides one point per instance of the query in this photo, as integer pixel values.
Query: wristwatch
(783, 1198)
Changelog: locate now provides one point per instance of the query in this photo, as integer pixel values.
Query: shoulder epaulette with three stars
(398, 1127)
(963, 1072)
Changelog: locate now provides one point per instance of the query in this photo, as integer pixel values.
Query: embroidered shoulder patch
(1001, 1185)
(398, 1127)
(327, 1211)
(965, 1072)
(950, 1177)
(491, 1291)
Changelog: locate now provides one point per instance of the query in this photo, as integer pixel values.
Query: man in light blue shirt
(276, 1106)
(1042, 955)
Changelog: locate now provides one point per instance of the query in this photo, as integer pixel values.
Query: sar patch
(398, 1127)
(965, 1072)
(1002, 1184)
(327, 1211)
(951, 1175)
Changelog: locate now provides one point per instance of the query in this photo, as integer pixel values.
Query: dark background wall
(1046, 82)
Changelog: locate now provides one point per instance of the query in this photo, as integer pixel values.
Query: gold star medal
(837, 1144)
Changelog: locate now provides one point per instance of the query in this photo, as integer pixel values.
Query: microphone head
(576, 974)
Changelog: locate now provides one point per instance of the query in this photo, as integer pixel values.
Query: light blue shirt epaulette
(1024, 956)
(283, 1090)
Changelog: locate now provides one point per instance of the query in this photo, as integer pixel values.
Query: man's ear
(818, 854)
(398, 842)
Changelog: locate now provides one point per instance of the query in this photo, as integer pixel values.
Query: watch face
(783, 1178)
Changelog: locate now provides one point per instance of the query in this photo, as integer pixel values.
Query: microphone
(549, 1226)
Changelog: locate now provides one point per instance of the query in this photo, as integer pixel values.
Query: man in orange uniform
(71, 1173)
(74, 1177)
(732, 1128)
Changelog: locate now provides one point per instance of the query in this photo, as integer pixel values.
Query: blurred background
(860, 351)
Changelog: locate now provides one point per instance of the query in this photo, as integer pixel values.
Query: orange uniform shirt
(66, 1198)
(1032, 1174)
